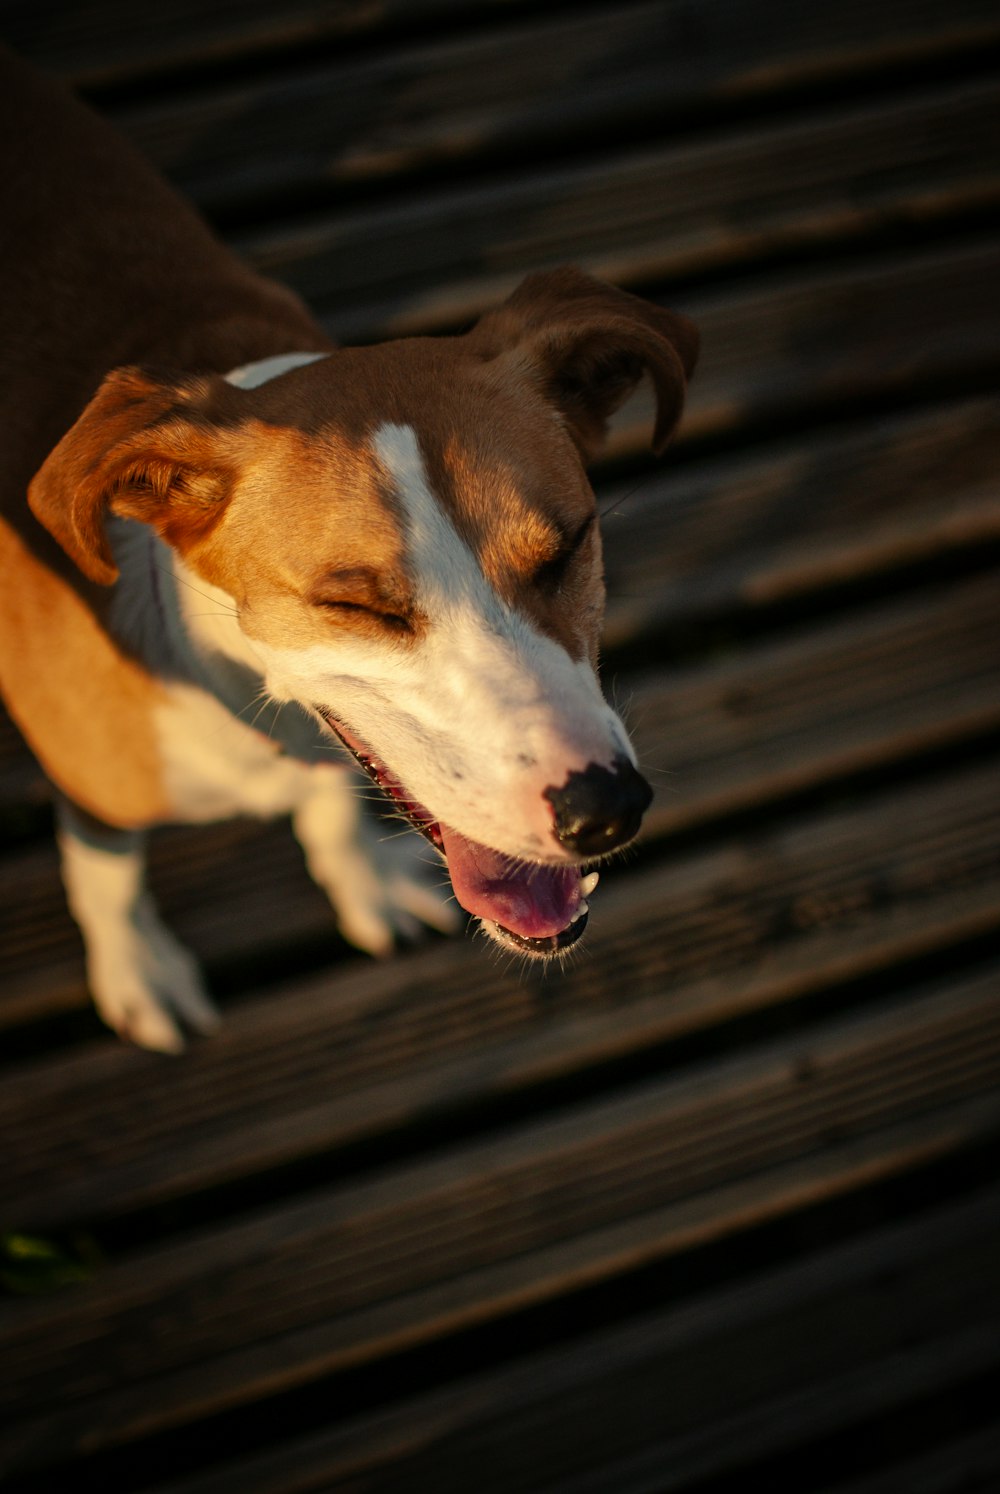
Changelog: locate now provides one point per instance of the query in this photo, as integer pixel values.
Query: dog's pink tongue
(531, 900)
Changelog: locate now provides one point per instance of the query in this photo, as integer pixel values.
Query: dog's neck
(186, 631)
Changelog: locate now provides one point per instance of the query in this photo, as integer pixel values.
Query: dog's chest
(223, 746)
(216, 765)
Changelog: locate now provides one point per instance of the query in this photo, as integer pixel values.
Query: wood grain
(709, 46)
(627, 1404)
(483, 1229)
(437, 257)
(487, 99)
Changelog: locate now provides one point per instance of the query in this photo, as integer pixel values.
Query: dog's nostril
(599, 808)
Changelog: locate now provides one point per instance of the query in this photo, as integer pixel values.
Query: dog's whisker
(612, 508)
(169, 570)
(261, 708)
(253, 702)
(261, 700)
(280, 704)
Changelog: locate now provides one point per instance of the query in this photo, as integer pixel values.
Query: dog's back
(104, 265)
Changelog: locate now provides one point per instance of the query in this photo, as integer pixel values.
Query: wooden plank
(631, 215)
(753, 925)
(973, 1460)
(438, 254)
(117, 43)
(790, 346)
(729, 48)
(844, 1406)
(780, 718)
(726, 536)
(436, 1445)
(340, 120)
(431, 1247)
(22, 782)
(692, 1390)
(345, 120)
(773, 719)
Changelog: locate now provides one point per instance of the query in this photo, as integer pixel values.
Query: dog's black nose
(599, 808)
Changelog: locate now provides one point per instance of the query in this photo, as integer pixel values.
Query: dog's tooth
(588, 883)
(581, 910)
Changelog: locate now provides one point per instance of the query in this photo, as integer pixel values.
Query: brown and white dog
(227, 548)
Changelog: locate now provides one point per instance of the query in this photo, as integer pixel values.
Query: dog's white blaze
(480, 716)
(519, 687)
(445, 569)
(250, 375)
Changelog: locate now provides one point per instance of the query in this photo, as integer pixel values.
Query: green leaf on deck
(31, 1265)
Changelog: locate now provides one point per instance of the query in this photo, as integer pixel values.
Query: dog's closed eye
(360, 611)
(359, 596)
(552, 572)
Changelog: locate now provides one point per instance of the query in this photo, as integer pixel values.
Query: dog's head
(410, 544)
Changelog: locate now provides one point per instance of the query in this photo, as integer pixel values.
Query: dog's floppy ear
(146, 447)
(586, 345)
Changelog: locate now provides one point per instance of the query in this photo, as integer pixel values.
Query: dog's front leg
(384, 883)
(140, 977)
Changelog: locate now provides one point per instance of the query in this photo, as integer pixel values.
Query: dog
(231, 550)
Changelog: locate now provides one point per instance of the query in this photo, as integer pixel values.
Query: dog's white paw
(144, 983)
(395, 891)
(147, 986)
(384, 885)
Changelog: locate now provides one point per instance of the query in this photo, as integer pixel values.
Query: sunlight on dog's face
(436, 588)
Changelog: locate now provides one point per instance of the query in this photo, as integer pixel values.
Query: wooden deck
(721, 1202)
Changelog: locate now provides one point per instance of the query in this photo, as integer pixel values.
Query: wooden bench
(720, 1201)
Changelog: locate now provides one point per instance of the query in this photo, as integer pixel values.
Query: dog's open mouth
(533, 907)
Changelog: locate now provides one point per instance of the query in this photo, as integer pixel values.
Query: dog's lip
(537, 908)
(386, 781)
(547, 945)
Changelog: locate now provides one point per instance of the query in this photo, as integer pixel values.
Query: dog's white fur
(474, 717)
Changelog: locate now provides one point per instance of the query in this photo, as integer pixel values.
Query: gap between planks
(675, 1369)
(862, 1098)
(637, 214)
